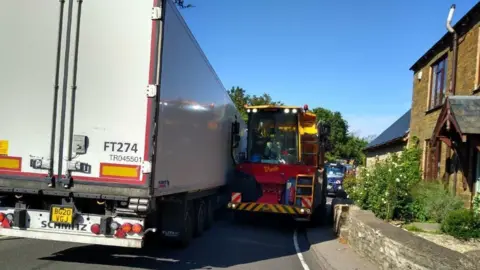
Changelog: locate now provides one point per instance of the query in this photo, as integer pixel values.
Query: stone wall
(382, 153)
(391, 247)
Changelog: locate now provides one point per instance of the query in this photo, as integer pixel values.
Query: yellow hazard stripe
(265, 207)
(258, 207)
(242, 206)
(250, 207)
(282, 209)
(290, 209)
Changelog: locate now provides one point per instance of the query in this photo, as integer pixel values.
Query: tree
(343, 144)
(338, 130)
(181, 4)
(264, 99)
(240, 98)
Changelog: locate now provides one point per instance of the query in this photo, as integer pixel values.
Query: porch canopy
(458, 126)
(459, 119)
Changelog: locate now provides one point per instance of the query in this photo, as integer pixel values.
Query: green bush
(432, 202)
(385, 188)
(462, 224)
(476, 204)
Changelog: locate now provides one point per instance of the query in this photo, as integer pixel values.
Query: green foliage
(385, 188)
(432, 202)
(462, 224)
(240, 98)
(476, 204)
(344, 145)
(412, 228)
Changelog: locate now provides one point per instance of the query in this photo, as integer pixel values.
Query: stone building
(445, 113)
(392, 140)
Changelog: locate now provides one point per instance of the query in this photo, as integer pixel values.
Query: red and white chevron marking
(236, 197)
(306, 202)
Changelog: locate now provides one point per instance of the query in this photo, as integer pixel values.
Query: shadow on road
(227, 244)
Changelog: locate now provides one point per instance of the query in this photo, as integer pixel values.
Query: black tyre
(200, 217)
(210, 215)
(187, 232)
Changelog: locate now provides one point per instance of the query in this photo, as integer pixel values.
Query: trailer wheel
(188, 227)
(200, 215)
(210, 215)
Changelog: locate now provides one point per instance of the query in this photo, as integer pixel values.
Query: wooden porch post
(436, 159)
(471, 148)
(431, 161)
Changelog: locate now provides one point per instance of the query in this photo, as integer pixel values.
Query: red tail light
(5, 222)
(127, 227)
(95, 228)
(137, 228)
(120, 234)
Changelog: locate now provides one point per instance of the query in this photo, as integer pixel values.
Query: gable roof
(467, 22)
(395, 132)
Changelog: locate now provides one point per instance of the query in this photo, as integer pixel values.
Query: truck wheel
(187, 232)
(210, 215)
(200, 215)
(319, 216)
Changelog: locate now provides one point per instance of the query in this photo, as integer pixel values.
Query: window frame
(436, 96)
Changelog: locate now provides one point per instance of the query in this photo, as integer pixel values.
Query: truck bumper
(270, 208)
(36, 224)
(72, 238)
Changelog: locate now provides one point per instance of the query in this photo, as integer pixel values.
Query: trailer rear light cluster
(128, 228)
(120, 231)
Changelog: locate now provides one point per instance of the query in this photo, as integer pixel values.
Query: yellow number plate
(61, 215)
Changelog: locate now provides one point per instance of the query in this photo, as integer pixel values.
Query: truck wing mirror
(323, 129)
(235, 134)
(236, 139)
(236, 127)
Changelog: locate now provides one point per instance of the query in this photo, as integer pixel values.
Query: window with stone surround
(438, 83)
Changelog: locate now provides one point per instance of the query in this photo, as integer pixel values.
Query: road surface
(261, 244)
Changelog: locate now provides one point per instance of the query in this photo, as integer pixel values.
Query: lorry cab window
(273, 137)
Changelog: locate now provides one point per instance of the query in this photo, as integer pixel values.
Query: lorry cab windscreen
(273, 137)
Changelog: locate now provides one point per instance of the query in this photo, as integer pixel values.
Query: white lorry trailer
(113, 123)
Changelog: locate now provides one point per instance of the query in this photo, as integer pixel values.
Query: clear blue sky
(349, 56)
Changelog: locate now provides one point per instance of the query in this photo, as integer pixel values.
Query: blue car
(335, 176)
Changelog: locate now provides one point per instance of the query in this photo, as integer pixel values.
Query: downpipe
(453, 80)
(454, 50)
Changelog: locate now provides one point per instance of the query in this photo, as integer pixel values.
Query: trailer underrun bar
(269, 208)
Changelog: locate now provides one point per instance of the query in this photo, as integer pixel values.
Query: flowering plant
(385, 189)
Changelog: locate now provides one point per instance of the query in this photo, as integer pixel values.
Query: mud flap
(174, 226)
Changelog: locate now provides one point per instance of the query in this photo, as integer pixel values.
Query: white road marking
(299, 253)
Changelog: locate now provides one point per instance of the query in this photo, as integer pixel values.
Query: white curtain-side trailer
(114, 125)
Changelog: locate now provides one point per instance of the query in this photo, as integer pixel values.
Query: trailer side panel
(195, 115)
